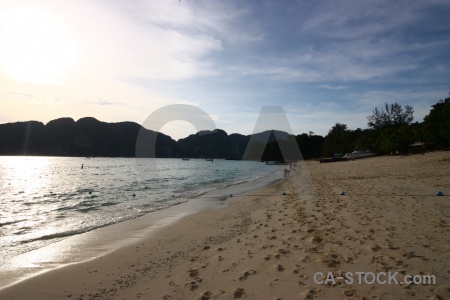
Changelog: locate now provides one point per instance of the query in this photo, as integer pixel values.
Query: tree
(396, 139)
(337, 140)
(436, 125)
(366, 140)
(310, 145)
(391, 115)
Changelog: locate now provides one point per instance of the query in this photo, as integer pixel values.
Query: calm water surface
(45, 199)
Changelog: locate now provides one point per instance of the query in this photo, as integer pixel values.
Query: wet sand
(89, 245)
(266, 245)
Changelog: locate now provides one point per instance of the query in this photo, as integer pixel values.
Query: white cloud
(344, 58)
(170, 40)
(213, 18)
(150, 52)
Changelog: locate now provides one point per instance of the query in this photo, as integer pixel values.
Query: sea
(44, 200)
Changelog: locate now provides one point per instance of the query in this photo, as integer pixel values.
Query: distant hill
(91, 137)
(85, 137)
(218, 144)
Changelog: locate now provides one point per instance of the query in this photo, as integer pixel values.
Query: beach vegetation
(310, 144)
(436, 125)
(391, 115)
(390, 131)
(337, 140)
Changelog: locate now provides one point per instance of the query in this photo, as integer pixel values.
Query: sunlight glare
(34, 46)
(23, 172)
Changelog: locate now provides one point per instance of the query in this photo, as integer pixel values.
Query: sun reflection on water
(22, 179)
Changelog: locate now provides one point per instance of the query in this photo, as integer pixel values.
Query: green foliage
(337, 140)
(390, 131)
(392, 140)
(436, 125)
(391, 115)
(310, 145)
(365, 140)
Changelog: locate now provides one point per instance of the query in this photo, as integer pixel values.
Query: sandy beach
(266, 245)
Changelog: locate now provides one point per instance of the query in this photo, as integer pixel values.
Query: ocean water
(46, 199)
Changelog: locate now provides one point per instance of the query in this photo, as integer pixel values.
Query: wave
(68, 233)
(11, 222)
(99, 201)
(202, 192)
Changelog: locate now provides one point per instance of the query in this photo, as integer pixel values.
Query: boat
(185, 158)
(276, 163)
(358, 154)
(209, 159)
(334, 158)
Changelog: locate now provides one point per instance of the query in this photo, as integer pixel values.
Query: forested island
(390, 130)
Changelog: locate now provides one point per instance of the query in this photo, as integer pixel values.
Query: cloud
(323, 61)
(421, 100)
(323, 67)
(351, 20)
(126, 39)
(211, 18)
(172, 40)
(345, 41)
(334, 87)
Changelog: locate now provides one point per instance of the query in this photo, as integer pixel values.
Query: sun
(35, 46)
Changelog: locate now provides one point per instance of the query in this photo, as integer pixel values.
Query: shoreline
(95, 243)
(263, 245)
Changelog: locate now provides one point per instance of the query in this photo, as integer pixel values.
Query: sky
(323, 62)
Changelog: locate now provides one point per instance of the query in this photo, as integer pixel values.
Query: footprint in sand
(317, 239)
(247, 274)
(205, 296)
(193, 286)
(310, 294)
(193, 273)
(238, 293)
(349, 293)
